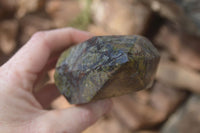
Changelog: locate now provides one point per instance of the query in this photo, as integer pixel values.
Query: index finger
(33, 56)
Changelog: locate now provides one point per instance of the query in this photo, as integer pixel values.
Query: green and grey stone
(106, 66)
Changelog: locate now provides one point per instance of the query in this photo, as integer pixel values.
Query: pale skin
(21, 110)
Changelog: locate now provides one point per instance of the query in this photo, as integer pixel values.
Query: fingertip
(82, 35)
(81, 31)
(87, 33)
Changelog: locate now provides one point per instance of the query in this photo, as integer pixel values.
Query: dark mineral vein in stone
(106, 66)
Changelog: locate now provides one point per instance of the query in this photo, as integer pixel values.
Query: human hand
(20, 109)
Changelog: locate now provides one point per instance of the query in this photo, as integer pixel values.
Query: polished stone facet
(106, 66)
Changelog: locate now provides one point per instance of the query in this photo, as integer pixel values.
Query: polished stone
(106, 66)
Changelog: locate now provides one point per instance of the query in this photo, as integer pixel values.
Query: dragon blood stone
(106, 66)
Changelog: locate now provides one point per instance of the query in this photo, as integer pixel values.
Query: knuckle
(44, 124)
(87, 116)
(71, 28)
(39, 36)
(45, 127)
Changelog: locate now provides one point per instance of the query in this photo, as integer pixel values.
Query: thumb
(73, 120)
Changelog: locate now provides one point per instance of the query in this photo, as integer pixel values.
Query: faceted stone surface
(106, 66)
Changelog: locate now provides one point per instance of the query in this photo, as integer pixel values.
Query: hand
(20, 110)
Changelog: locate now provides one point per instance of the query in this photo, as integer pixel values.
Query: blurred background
(172, 105)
